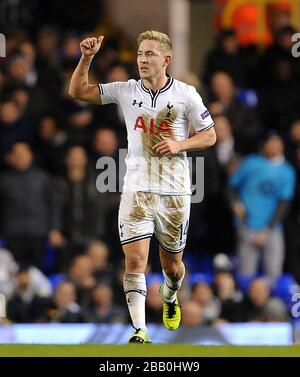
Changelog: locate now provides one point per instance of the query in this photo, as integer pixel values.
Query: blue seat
(244, 281)
(248, 97)
(55, 279)
(199, 264)
(200, 277)
(154, 277)
(49, 260)
(284, 287)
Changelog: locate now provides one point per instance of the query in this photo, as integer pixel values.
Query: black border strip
(155, 95)
(137, 238)
(205, 129)
(169, 250)
(168, 86)
(100, 89)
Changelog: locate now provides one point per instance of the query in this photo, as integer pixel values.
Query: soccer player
(158, 111)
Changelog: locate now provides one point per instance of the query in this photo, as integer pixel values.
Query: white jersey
(149, 115)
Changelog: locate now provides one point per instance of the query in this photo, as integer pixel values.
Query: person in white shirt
(158, 111)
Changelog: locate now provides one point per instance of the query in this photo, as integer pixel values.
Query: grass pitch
(146, 350)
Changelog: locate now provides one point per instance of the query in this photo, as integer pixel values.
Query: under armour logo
(169, 106)
(121, 228)
(135, 102)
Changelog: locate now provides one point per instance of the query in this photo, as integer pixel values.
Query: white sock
(170, 287)
(135, 291)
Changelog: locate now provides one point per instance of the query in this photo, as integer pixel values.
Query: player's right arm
(79, 85)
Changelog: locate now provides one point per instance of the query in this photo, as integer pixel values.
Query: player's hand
(167, 147)
(90, 46)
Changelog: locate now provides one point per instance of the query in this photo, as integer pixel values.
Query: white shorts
(167, 216)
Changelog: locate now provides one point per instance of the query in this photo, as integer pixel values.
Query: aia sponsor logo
(152, 127)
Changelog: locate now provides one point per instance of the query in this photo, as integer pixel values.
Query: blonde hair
(164, 41)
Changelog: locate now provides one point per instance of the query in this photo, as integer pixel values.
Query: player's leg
(171, 231)
(136, 228)
(173, 271)
(136, 258)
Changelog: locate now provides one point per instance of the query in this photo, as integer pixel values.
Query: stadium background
(55, 226)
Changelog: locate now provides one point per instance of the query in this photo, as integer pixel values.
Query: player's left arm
(201, 140)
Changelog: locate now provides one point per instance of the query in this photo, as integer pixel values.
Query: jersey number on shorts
(183, 232)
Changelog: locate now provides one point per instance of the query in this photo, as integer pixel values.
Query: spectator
(275, 311)
(13, 127)
(98, 252)
(230, 297)
(204, 296)
(111, 116)
(153, 303)
(102, 309)
(26, 206)
(280, 50)
(81, 275)
(39, 283)
(226, 57)
(246, 125)
(217, 163)
(80, 209)
(25, 305)
(279, 99)
(263, 186)
(64, 308)
(258, 306)
(52, 144)
(105, 143)
(21, 71)
(8, 269)
(192, 314)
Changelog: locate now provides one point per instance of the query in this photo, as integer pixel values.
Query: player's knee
(135, 263)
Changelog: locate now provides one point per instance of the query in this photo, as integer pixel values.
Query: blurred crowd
(60, 258)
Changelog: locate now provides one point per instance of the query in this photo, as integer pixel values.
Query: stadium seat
(154, 277)
(284, 287)
(55, 279)
(248, 97)
(244, 281)
(49, 260)
(199, 277)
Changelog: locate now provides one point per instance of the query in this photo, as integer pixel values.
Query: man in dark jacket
(25, 206)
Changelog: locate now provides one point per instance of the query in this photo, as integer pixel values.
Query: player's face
(150, 60)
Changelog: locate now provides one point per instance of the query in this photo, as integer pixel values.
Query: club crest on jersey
(152, 127)
(135, 102)
(169, 106)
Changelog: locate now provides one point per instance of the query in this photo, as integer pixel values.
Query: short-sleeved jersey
(150, 116)
(262, 184)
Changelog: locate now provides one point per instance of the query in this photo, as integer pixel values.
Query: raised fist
(90, 46)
